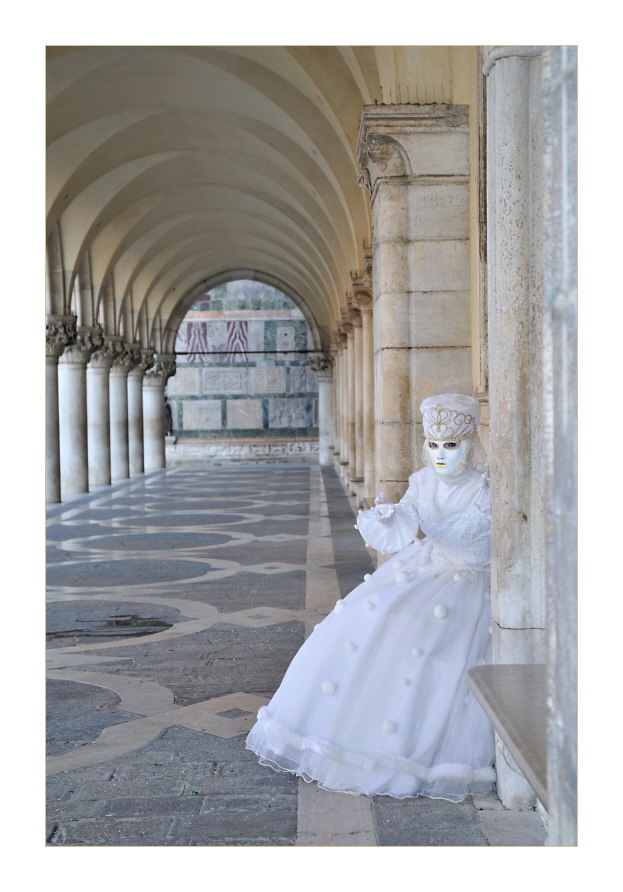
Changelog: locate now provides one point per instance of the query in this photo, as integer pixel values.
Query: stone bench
(514, 697)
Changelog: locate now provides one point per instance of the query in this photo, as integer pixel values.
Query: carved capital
(163, 368)
(322, 365)
(88, 340)
(366, 262)
(360, 295)
(389, 142)
(59, 332)
(363, 179)
(144, 360)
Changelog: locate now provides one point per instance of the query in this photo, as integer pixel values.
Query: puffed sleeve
(397, 531)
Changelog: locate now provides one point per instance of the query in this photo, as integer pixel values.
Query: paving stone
(153, 805)
(126, 786)
(127, 831)
(426, 822)
(514, 828)
(74, 809)
(78, 713)
(249, 820)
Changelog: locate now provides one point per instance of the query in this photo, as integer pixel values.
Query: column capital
(322, 365)
(143, 360)
(388, 143)
(163, 368)
(89, 339)
(493, 54)
(366, 262)
(59, 332)
(360, 295)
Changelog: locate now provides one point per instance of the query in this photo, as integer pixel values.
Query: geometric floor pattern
(175, 604)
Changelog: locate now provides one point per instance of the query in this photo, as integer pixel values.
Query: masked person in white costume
(376, 701)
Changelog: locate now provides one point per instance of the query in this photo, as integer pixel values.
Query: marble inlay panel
(285, 337)
(224, 380)
(184, 381)
(244, 414)
(268, 380)
(303, 380)
(287, 413)
(202, 415)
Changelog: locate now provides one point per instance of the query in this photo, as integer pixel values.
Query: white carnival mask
(446, 455)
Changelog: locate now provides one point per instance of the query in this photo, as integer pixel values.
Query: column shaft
(98, 411)
(135, 421)
(358, 374)
(352, 444)
(344, 406)
(369, 471)
(510, 210)
(52, 442)
(119, 451)
(72, 411)
(153, 423)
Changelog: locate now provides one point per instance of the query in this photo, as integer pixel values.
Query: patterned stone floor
(175, 604)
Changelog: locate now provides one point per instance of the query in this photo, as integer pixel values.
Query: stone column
(72, 410)
(323, 366)
(415, 162)
(343, 463)
(60, 331)
(364, 302)
(358, 373)
(153, 410)
(119, 446)
(335, 353)
(560, 334)
(349, 328)
(98, 412)
(514, 326)
(143, 360)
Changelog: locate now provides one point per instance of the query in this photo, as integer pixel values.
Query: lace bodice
(454, 515)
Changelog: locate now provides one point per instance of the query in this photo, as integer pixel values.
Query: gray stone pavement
(175, 605)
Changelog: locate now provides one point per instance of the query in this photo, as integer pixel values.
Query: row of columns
(353, 390)
(104, 408)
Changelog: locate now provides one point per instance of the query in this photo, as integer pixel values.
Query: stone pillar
(358, 371)
(364, 302)
(72, 410)
(335, 353)
(323, 366)
(60, 331)
(559, 116)
(514, 326)
(343, 463)
(119, 446)
(143, 360)
(349, 328)
(153, 410)
(415, 162)
(98, 412)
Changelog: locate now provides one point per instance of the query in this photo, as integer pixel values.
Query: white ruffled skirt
(376, 701)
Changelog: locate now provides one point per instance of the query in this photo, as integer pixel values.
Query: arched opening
(244, 388)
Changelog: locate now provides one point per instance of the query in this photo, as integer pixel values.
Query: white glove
(383, 509)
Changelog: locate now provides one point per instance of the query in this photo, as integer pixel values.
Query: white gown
(376, 701)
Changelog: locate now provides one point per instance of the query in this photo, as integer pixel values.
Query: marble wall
(238, 370)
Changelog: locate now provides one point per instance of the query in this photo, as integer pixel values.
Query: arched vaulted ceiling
(171, 166)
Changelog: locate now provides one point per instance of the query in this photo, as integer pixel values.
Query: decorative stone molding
(59, 332)
(495, 53)
(366, 262)
(88, 340)
(360, 295)
(143, 361)
(388, 147)
(322, 365)
(164, 367)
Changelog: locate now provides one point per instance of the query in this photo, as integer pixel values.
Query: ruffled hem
(449, 781)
